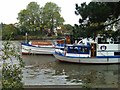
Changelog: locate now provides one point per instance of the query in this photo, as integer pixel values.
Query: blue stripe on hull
(109, 51)
(88, 57)
(107, 56)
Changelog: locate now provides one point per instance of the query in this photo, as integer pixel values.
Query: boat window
(84, 50)
(72, 49)
(117, 41)
(61, 48)
(102, 40)
(117, 53)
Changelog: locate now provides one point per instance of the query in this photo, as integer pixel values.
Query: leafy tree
(68, 28)
(9, 31)
(29, 18)
(78, 32)
(51, 16)
(34, 18)
(96, 16)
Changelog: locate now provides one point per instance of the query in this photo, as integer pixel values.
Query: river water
(46, 70)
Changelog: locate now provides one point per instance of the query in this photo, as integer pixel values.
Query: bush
(12, 67)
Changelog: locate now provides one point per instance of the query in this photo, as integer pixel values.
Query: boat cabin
(101, 48)
(78, 50)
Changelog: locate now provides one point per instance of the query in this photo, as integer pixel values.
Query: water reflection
(45, 70)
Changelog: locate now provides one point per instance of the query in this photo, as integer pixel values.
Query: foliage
(12, 67)
(51, 16)
(79, 32)
(68, 28)
(35, 19)
(9, 31)
(29, 18)
(96, 16)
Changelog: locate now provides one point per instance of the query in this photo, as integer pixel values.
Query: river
(46, 70)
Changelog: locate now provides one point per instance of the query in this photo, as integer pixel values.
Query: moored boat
(98, 51)
(38, 47)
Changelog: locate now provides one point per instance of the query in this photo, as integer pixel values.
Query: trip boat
(38, 47)
(99, 51)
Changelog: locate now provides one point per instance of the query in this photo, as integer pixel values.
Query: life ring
(103, 48)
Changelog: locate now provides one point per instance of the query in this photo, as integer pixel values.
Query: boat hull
(87, 60)
(48, 50)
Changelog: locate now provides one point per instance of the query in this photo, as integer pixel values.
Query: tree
(29, 18)
(96, 16)
(9, 31)
(51, 16)
(35, 18)
(68, 28)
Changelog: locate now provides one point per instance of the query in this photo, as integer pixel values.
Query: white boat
(37, 48)
(99, 51)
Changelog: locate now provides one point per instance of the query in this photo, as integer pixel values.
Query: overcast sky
(9, 9)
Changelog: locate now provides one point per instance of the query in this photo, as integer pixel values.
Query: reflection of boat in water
(100, 51)
(41, 47)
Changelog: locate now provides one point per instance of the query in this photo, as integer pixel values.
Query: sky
(9, 9)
